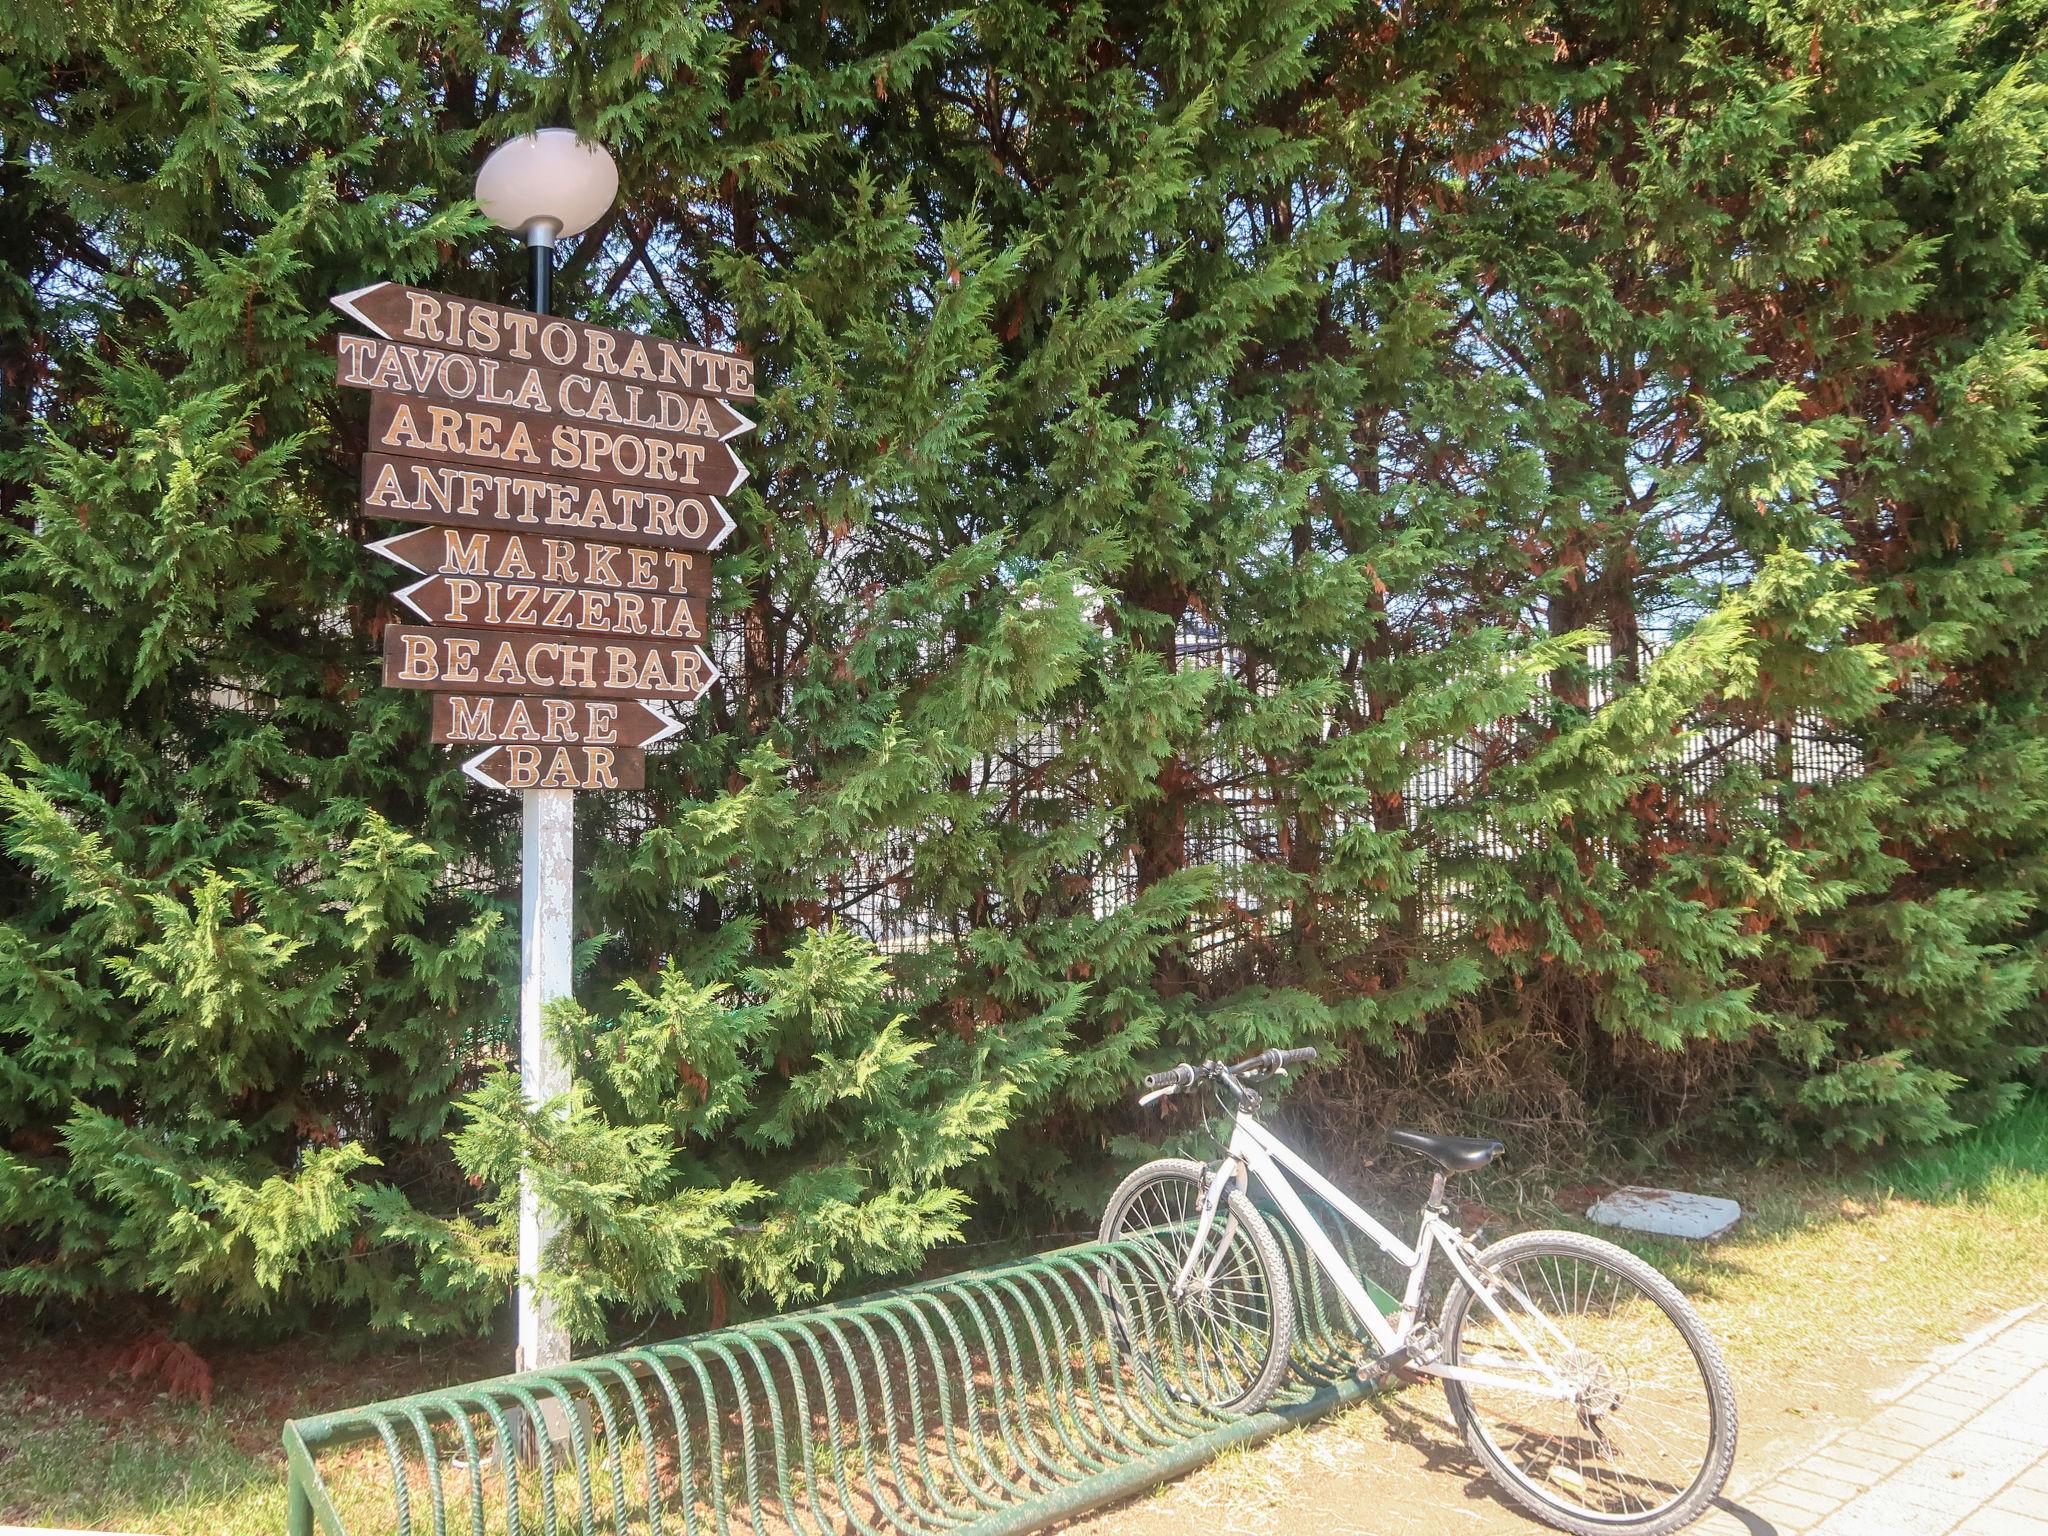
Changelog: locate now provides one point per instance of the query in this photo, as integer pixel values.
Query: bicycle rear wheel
(1220, 1337)
(1648, 1437)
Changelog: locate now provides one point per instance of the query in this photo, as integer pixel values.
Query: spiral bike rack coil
(987, 1402)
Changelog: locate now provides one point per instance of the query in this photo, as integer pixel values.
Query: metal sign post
(547, 911)
(547, 875)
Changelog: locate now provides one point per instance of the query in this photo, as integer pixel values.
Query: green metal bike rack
(991, 1401)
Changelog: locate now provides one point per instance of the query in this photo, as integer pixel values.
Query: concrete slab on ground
(1665, 1212)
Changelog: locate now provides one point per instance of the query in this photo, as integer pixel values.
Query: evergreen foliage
(1495, 533)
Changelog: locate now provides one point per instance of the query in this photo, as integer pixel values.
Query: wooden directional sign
(492, 661)
(462, 378)
(551, 722)
(465, 496)
(569, 767)
(399, 313)
(534, 443)
(558, 562)
(489, 603)
(568, 477)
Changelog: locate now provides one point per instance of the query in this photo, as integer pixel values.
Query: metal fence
(1234, 815)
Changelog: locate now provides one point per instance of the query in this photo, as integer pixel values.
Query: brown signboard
(497, 719)
(488, 603)
(535, 443)
(559, 562)
(399, 313)
(461, 495)
(559, 767)
(462, 378)
(493, 661)
(568, 479)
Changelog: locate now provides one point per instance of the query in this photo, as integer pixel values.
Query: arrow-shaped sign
(464, 496)
(485, 602)
(527, 767)
(498, 661)
(475, 719)
(560, 562)
(399, 313)
(529, 443)
(462, 378)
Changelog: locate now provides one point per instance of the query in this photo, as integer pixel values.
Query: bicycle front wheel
(1647, 1436)
(1211, 1328)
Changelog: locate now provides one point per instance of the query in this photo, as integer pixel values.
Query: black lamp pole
(541, 279)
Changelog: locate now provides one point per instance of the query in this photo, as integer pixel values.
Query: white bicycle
(1582, 1380)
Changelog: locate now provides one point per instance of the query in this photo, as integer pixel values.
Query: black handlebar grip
(1296, 1056)
(1182, 1076)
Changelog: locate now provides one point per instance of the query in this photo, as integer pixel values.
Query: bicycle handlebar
(1183, 1077)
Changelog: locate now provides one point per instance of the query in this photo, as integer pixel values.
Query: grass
(172, 1471)
(1833, 1280)
(1880, 1263)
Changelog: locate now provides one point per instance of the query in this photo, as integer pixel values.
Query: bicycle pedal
(1383, 1371)
(1380, 1372)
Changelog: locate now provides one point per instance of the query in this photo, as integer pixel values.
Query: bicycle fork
(1232, 1171)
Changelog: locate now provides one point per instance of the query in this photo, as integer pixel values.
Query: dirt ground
(1397, 1467)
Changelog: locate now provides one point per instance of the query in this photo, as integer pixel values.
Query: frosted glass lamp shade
(547, 182)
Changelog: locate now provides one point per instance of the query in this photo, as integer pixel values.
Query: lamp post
(545, 186)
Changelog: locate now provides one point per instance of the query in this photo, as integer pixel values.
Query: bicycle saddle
(1453, 1154)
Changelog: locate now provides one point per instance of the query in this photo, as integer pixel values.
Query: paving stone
(2028, 1400)
(1882, 1445)
(2010, 1455)
(1979, 1476)
(1934, 1509)
(1814, 1504)
(2023, 1501)
(1782, 1518)
(1810, 1479)
(2034, 1479)
(1842, 1523)
(1963, 1400)
(1997, 1383)
(1877, 1461)
(1874, 1464)
(2002, 1377)
(1725, 1522)
(2001, 1522)
(1913, 1426)
(2004, 1423)
(1830, 1465)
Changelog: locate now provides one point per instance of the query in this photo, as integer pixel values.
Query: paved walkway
(1961, 1449)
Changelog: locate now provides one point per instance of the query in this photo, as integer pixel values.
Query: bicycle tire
(1507, 1258)
(1258, 1265)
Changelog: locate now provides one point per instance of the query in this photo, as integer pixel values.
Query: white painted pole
(547, 910)
(547, 873)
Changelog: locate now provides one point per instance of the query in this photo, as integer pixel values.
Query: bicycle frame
(1256, 1153)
